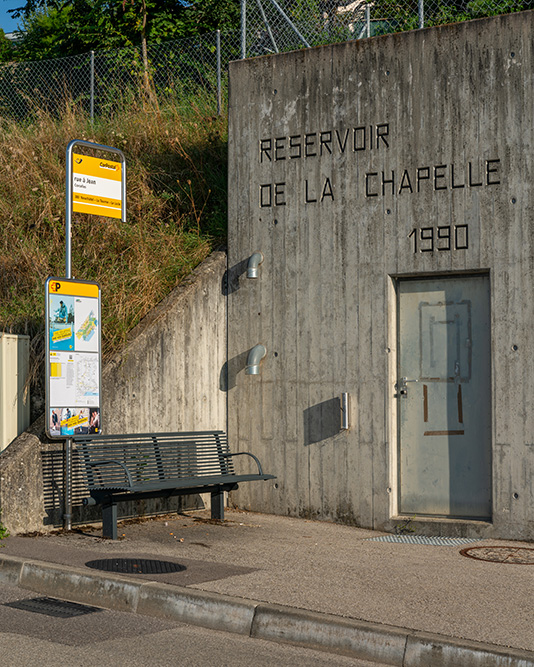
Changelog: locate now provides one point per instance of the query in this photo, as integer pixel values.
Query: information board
(73, 357)
(96, 186)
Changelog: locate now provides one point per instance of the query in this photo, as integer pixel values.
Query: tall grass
(176, 214)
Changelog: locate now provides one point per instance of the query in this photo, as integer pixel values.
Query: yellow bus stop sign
(96, 186)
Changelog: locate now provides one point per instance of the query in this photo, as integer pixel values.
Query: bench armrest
(112, 461)
(260, 471)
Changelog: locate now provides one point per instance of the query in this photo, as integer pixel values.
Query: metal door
(444, 393)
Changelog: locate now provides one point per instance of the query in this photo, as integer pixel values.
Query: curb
(359, 639)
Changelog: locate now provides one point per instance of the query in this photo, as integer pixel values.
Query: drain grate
(422, 539)
(135, 566)
(513, 555)
(52, 607)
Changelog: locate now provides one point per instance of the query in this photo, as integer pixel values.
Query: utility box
(14, 394)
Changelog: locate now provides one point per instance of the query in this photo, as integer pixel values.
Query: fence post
(243, 29)
(92, 86)
(219, 91)
(368, 19)
(421, 8)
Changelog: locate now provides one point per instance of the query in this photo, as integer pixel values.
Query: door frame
(392, 402)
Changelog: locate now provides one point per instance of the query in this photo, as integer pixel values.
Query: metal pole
(243, 29)
(92, 86)
(67, 517)
(368, 19)
(68, 211)
(421, 8)
(219, 91)
(267, 27)
(291, 24)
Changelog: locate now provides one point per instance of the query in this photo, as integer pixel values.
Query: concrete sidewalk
(320, 584)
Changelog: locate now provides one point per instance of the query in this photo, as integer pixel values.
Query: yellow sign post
(96, 186)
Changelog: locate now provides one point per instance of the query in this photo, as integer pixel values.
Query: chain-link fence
(281, 25)
(101, 81)
(192, 69)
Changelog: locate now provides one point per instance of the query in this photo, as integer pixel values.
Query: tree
(6, 48)
(55, 28)
(47, 34)
(209, 15)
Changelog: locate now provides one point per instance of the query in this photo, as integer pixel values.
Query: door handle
(403, 388)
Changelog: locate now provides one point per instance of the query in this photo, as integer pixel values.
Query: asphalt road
(44, 632)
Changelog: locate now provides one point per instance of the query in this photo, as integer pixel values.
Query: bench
(150, 465)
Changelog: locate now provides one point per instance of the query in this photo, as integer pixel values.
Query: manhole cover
(135, 566)
(515, 555)
(53, 607)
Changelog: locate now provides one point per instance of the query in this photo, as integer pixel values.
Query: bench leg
(109, 520)
(217, 504)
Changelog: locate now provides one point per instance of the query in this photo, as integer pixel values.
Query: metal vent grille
(422, 539)
(53, 607)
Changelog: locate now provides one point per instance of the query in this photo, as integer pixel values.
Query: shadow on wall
(322, 421)
(229, 371)
(230, 281)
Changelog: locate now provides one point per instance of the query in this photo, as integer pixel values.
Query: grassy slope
(176, 214)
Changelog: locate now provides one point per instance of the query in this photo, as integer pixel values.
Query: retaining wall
(167, 378)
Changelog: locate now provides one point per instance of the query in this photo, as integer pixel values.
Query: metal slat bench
(150, 465)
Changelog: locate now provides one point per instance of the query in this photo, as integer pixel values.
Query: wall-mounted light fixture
(253, 360)
(345, 411)
(253, 263)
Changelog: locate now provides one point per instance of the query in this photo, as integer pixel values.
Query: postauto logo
(55, 287)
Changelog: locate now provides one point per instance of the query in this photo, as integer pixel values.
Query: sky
(7, 23)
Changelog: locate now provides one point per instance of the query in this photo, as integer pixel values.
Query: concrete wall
(342, 153)
(168, 378)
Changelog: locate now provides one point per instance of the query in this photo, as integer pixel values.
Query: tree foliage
(57, 28)
(6, 48)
